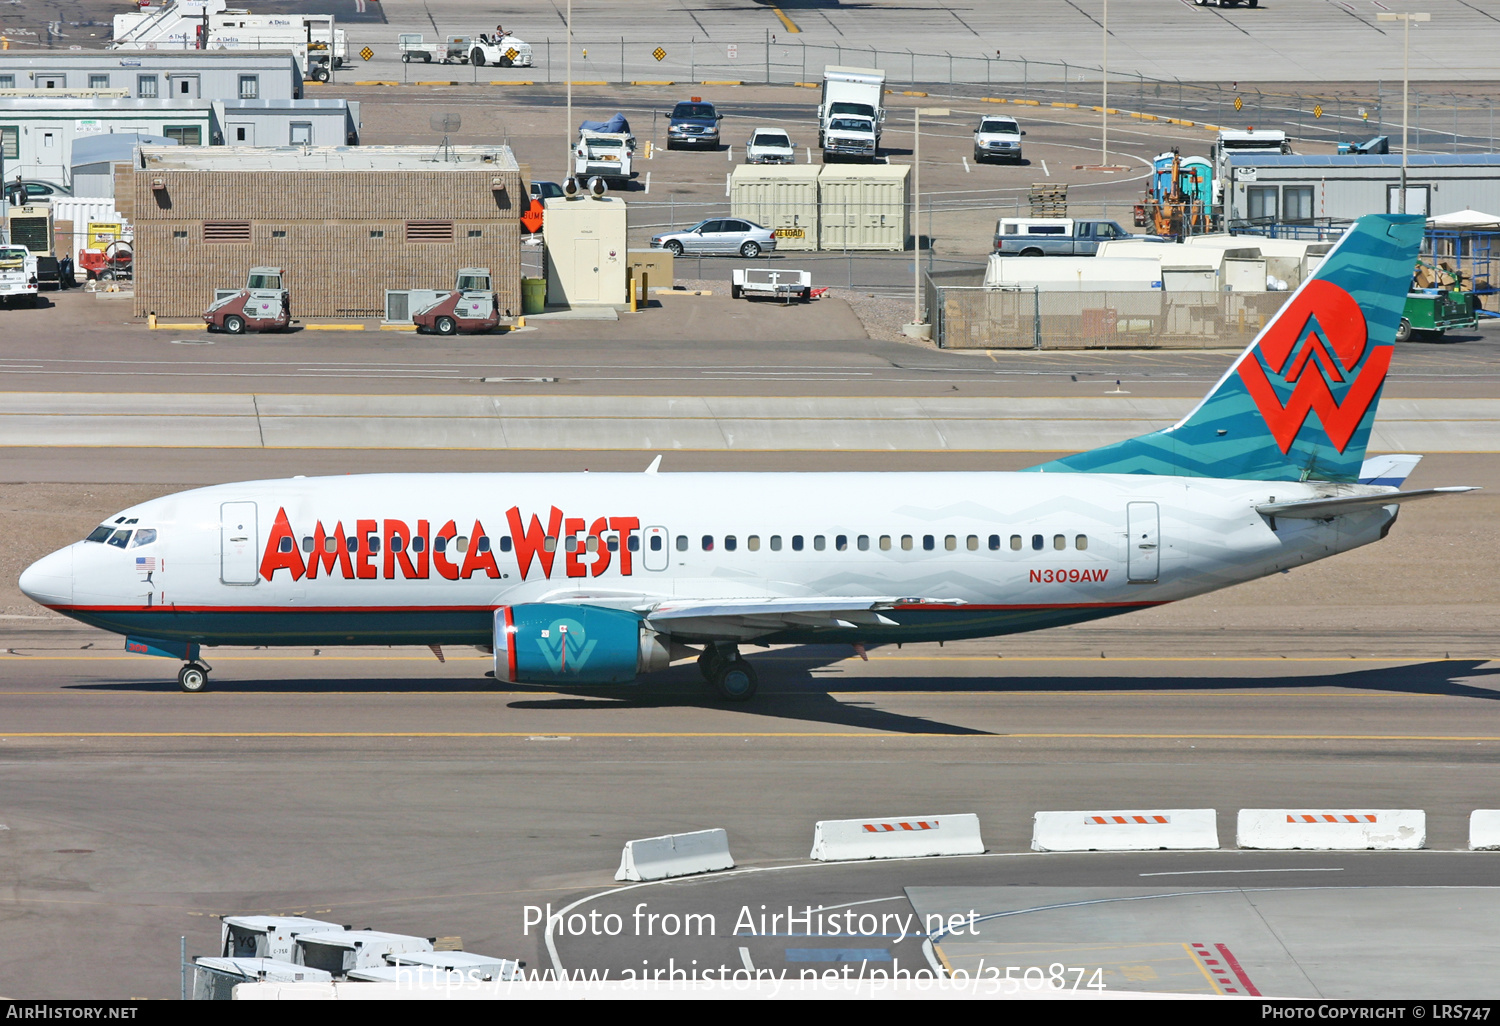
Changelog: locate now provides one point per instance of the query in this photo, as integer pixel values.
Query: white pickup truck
(997, 138)
(18, 281)
(609, 155)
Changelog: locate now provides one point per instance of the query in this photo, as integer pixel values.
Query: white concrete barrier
(1484, 830)
(836, 840)
(656, 858)
(1332, 829)
(1132, 830)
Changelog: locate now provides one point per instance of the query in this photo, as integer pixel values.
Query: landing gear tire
(234, 325)
(1403, 331)
(735, 680)
(192, 678)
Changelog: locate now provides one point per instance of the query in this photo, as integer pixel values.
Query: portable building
(158, 74)
(586, 252)
(346, 223)
(1290, 260)
(37, 136)
(1304, 188)
(864, 206)
(286, 122)
(97, 157)
(781, 197)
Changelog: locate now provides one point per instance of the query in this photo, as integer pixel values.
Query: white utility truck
(18, 282)
(505, 51)
(851, 112)
(605, 149)
(321, 47)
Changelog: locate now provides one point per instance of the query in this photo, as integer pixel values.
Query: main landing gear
(723, 667)
(193, 677)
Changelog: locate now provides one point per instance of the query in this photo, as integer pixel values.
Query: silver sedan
(718, 235)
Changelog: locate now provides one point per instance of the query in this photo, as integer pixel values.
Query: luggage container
(214, 979)
(864, 208)
(437, 968)
(271, 937)
(783, 198)
(339, 951)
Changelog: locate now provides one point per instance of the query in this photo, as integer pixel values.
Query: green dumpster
(533, 295)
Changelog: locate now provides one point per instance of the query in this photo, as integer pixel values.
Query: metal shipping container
(781, 197)
(864, 206)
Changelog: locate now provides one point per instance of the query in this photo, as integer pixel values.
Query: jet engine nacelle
(541, 643)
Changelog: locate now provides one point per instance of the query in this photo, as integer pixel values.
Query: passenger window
(729, 543)
(439, 544)
(682, 543)
(419, 543)
(398, 543)
(571, 543)
(633, 543)
(593, 543)
(753, 543)
(147, 535)
(841, 543)
(461, 543)
(656, 543)
(482, 543)
(796, 543)
(307, 543)
(374, 543)
(1059, 541)
(928, 543)
(708, 543)
(885, 543)
(331, 544)
(1015, 543)
(906, 543)
(863, 543)
(285, 545)
(612, 543)
(1036, 542)
(351, 544)
(505, 544)
(549, 544)
(1081, 542)
(119, 538)
(950, 543)
(994, 543)
(100, 534)
(819, 543)
(973, 543)
(775, 543)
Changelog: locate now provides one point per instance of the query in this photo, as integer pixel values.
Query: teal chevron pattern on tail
(1300, 402)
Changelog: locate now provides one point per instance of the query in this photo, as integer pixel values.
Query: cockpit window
(100, 533)
(145, 536)
(120, 539)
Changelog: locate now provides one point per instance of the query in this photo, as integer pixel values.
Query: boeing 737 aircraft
(593, 579)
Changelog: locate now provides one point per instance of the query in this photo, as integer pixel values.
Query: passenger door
(655, 548)
(239, 544)
(1143, 542)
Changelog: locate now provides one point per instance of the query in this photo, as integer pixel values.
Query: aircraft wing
(1333, 506)
(751, 618)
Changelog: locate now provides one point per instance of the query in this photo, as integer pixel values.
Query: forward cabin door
(1143, 542)
(656, 554)
(239, 543)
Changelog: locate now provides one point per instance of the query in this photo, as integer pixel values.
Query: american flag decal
(145, 564)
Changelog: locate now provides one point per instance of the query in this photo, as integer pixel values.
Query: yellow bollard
(151, 321)
(521, 321)
(630, 286)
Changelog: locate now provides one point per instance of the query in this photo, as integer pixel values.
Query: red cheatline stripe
(1328, 817)
(881, 828)
(1238, 972)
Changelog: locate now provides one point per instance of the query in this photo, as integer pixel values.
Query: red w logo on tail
(1331, 320)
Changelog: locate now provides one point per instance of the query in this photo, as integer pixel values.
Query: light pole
(916, 328)
(1406, 18)
(1104, 100)
(568, 128)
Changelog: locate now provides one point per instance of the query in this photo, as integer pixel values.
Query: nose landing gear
(732, 677)
(193, 677)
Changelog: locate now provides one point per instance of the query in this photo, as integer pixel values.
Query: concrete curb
(1332, 829)
(841, 840)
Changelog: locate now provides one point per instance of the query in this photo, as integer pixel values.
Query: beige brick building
(346, 223)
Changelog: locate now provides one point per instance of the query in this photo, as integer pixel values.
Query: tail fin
(1299, 403)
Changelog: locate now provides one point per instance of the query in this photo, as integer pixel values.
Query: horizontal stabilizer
(1390, 470)
(1335, 506)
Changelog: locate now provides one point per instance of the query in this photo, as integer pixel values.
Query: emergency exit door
(1143, 542)
(657, 553)
(239, 547)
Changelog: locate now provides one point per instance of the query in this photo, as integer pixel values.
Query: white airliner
(592, 579)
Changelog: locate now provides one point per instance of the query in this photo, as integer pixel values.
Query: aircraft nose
(50, 579)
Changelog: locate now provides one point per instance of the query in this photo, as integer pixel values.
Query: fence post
(768, 56)
(1065, 81)
(1036, 317)
(622, 60)
(183, 964)
(911, 77)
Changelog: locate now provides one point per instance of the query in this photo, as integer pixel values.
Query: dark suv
(694, 123)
